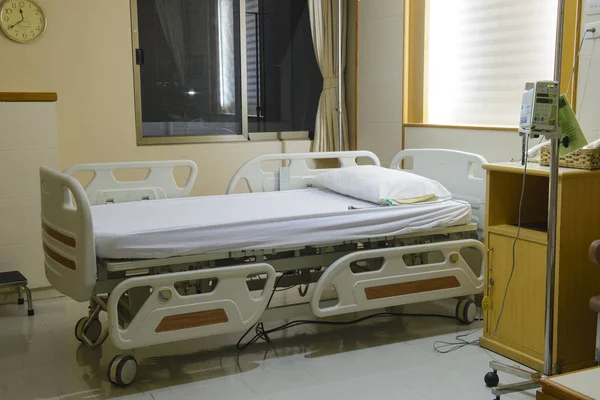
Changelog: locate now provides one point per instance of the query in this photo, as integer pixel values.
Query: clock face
(22, 20)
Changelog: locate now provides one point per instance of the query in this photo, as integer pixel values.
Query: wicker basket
(580, 159)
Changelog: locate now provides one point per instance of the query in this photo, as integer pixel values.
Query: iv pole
(552, 206)
(533, 378)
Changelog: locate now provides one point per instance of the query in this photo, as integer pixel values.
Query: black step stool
(16, 279)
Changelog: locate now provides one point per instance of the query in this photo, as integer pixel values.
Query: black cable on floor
(443, 347)
(261, 333)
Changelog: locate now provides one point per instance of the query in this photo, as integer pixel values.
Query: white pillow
(382, 185)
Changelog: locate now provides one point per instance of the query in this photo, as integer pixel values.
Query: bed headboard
(159, 183)
(296, 171)
(67, 235)
(460, 172)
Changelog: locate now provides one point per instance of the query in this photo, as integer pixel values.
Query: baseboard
(9, 296)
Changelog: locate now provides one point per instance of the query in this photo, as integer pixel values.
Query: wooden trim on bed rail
(404, 288)
(61, 237)
(28, 96)
(192, 320)
(64, 261)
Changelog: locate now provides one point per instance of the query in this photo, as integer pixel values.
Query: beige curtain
(324, 27)
(170, 14)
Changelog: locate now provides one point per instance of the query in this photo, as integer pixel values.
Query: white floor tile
(279, 378)
(137, 396)
(59, 376)
(380, 386)
(338, 368)
(230, 388)
(386, 359)
(396, 357)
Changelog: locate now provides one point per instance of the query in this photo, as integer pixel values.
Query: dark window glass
(284, 81)
(190, 78)
(190, 60)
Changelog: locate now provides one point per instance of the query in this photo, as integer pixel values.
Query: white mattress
(250, 221)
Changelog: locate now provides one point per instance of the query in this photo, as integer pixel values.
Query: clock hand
(12, 26)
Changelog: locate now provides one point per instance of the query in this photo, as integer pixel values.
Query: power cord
(514, 245)
(443, 347)
(261, 333)
(592, 30)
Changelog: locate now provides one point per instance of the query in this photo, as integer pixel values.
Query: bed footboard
(168, 315)
(67, 235)
(395, 282)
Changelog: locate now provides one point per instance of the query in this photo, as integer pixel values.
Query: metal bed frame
(154, 301)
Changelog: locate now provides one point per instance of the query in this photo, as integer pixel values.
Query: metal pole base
(532, 381)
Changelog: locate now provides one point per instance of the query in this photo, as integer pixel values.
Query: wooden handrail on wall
(28, 97)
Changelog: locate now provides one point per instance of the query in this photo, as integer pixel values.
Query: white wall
(588, 89)
(495, 146)
(381, 29)
(26, 144)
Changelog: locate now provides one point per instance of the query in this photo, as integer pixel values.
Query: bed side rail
(395, 282)
(296, 170)
(460, 172)
(168, 316)
(160, 182)
(67, 235)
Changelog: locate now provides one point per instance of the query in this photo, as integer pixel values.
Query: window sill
(174, 140)
(465, 127)
(254, 137)
(278, 136)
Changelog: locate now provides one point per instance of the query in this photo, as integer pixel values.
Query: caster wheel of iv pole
(466, 311)
(122, 370)
(93, 332)
(491, 379)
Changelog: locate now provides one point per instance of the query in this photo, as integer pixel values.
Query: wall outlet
(592, 7)
(592, 25)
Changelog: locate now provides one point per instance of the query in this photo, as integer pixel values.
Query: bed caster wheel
(93, 332)
(122, 370)
(491, 379)
(466, 311)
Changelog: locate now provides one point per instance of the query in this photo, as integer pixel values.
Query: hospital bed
(166, 267)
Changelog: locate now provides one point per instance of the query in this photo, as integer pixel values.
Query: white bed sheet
(249, 221)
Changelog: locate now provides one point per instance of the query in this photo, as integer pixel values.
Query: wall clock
(22, 20)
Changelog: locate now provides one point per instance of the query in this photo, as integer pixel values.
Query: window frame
(245, 136)
(415, 64)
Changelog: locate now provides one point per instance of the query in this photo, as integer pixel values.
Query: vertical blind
(253, 25)
(480, 53)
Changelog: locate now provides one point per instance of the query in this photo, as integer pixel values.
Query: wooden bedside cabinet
(520, 334)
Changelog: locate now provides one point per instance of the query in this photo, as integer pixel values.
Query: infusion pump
(539, 107)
